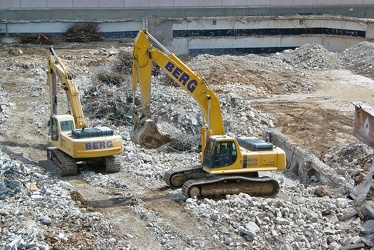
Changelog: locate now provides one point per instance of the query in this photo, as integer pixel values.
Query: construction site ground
(149, 215)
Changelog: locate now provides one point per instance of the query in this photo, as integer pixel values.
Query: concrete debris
(311, 56)
(348, 215)
(368, 227)
(367, 209)
(364, 187)
(46, 217)
(359, 58)
(320, 191)
(282, 217)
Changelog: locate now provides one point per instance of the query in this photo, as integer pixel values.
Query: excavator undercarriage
(195, 182)
(65, 162)
(69, 166)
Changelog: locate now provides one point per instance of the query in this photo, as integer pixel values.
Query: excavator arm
(57, 68)
(144, 55)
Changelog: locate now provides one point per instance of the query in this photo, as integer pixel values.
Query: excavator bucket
(148, 136)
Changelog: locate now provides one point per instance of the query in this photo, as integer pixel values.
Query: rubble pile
(38, 212)
(354, 157)
(302, 216)
(311, 56)
(123, 64)
(109, 105)
(227, 74)
(354, 162)
(359, 58)
(109, 96)
(280, 73)
(297, 220)
(121, 68)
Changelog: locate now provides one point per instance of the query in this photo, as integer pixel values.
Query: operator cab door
(54, 128)
(58, 126)
(219, 154)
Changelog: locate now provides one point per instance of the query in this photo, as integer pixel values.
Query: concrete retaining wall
(305, 164)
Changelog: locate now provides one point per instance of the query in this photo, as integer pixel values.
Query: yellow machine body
(72, 140)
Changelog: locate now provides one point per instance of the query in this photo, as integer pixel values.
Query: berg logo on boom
(181, 76)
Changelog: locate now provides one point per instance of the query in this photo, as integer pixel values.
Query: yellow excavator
(72, 141)
(227, 165)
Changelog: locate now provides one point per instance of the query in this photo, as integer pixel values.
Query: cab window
(66, 125)
(225, 154)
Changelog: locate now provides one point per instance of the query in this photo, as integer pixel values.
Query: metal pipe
(209, 108)
(158, 44)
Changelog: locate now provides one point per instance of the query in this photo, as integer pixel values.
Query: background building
(188, 27)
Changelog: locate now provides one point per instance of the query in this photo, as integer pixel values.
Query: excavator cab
(242, 155)
(61, 123)
(219, 154)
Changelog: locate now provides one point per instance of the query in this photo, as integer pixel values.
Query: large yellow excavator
(72, 142)
(227, 165)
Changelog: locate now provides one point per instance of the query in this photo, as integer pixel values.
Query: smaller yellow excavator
(227, 165)
(72, 142)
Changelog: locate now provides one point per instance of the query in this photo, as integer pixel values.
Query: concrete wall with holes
(221, 35)
(110, 29)
(264, 34)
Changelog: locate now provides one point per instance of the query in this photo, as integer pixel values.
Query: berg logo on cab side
(181, 76)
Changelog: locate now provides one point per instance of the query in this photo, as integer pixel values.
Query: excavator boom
(57, 68)
(192, 83)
